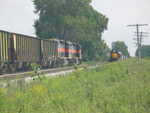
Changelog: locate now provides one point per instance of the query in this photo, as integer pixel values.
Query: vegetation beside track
(119, 87)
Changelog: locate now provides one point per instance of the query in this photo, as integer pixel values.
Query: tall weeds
(119, 87)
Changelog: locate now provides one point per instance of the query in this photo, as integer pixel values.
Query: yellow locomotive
(114, 56)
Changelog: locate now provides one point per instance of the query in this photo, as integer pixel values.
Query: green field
(118, 87)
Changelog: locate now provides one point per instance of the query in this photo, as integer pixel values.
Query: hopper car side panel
(26, 48)
(5, 51)
(5, 47)
(48, 50)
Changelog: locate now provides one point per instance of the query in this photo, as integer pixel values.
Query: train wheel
(1, 71)
(53, 64)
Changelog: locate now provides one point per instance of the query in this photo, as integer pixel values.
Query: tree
(120, 46)
(73, 20)
(145, 51)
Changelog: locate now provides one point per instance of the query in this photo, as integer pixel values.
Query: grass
(119, 87)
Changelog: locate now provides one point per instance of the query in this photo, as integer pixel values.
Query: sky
(18, 16)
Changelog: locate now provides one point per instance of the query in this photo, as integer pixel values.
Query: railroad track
(23, 75)
(47, 72)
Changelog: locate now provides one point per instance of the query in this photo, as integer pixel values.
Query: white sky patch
(17, 16)
(122, 13)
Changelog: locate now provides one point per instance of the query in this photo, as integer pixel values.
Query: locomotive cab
(114, 55)
(61, 49)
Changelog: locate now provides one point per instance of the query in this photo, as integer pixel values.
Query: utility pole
(141, 37)
(138, 40)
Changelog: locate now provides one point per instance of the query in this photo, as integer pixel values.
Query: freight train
(18, 51)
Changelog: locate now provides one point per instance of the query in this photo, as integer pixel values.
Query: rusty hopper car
(25, 49)
(48, 52)
(5, 49)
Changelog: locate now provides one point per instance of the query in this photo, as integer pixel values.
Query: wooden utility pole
(140, 43)
(138, 40)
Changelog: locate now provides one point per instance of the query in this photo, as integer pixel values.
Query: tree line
(145, 51)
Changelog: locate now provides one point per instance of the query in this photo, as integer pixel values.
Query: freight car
(18, 51)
